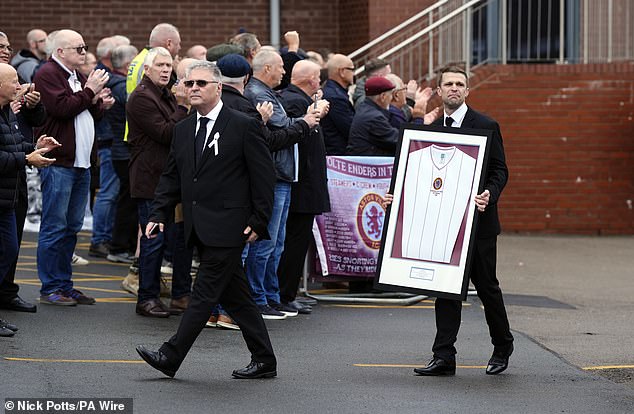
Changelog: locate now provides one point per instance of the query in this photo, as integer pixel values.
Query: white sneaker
(78, 261)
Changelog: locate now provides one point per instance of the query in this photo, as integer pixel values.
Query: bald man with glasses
(73, 103)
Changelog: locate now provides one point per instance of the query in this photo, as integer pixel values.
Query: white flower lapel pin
(214, 143)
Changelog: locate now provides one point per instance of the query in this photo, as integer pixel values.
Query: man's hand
(323, 106)
(96, 81)
(387, 199)
(412, 86)
(15, 106)
(47, 143)
(180, 92)
(423, 94)
(432, 116)
(312, 116)
(31, 96)
(292, 40)
(106, 98)
(151, 229)
(266, 110)
(37, 158)
(253, 236)
(482, 200)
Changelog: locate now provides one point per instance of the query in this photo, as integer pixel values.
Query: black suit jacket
(496, 174)
(224, 193)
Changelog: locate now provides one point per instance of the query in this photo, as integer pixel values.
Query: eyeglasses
(201, 83)
(7, 48)
(346, 68)
(78, 49)
(40, 41)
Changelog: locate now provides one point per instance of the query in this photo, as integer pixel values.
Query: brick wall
(569, 140)
(204, 22)
(353, 25)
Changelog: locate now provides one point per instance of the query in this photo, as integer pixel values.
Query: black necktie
(448, 122)
(201, 136)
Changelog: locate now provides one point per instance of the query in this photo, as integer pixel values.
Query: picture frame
(429, 229)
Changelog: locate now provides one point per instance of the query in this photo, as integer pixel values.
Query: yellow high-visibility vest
(135, 74)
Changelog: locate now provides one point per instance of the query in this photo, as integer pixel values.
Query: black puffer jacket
(13, 150)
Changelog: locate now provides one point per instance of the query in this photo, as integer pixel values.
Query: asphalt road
(340, 359)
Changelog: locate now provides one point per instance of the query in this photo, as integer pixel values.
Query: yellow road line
(600, 367)
(413, 366)
(79, 361)
(80, 279)
(99, 289)
(116, 300)
(387, 306)
(380, 306)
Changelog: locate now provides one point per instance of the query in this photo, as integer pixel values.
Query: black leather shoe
(6, 333)
(19, 305)
(7, 325)
(300, 307)
(437, 367)
(152, 308)
(157, 360)
(256, 370)
(499, 361)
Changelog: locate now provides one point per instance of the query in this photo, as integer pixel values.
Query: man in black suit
(309, 195)
(220, 169)
(453, 88)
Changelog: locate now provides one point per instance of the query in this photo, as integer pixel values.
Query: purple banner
(349, 237)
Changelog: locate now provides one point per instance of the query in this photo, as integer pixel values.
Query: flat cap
(377, 85)
(233, 66)
(216, 52)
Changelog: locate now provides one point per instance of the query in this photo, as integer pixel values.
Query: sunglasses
(201, 83)
(78, 49)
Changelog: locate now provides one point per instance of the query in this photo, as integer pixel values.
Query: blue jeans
(151, 256)
(8, 241)
(264, 255)
(104, 209)
(64, 198)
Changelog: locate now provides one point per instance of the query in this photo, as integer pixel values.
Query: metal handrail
(423, 32)
(390, 32)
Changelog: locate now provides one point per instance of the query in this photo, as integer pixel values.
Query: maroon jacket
(62, 106)
(152, 113)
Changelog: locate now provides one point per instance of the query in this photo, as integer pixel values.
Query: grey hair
(49, 42)
(161, 32)
(104, 47)
(247, 41)
(208, 66)
(122, 55)
(153, 53)
(232, 81)
(3, 35)
(264, 57)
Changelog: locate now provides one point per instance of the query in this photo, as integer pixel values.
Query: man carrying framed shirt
(453, 88)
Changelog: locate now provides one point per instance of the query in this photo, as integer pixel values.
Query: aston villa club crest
(437, 184)
(370, 217)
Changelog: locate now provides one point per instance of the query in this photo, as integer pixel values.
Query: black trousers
(299, 233)
(221, 280)
(126, 220)
(8, 288)
(483, 276)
